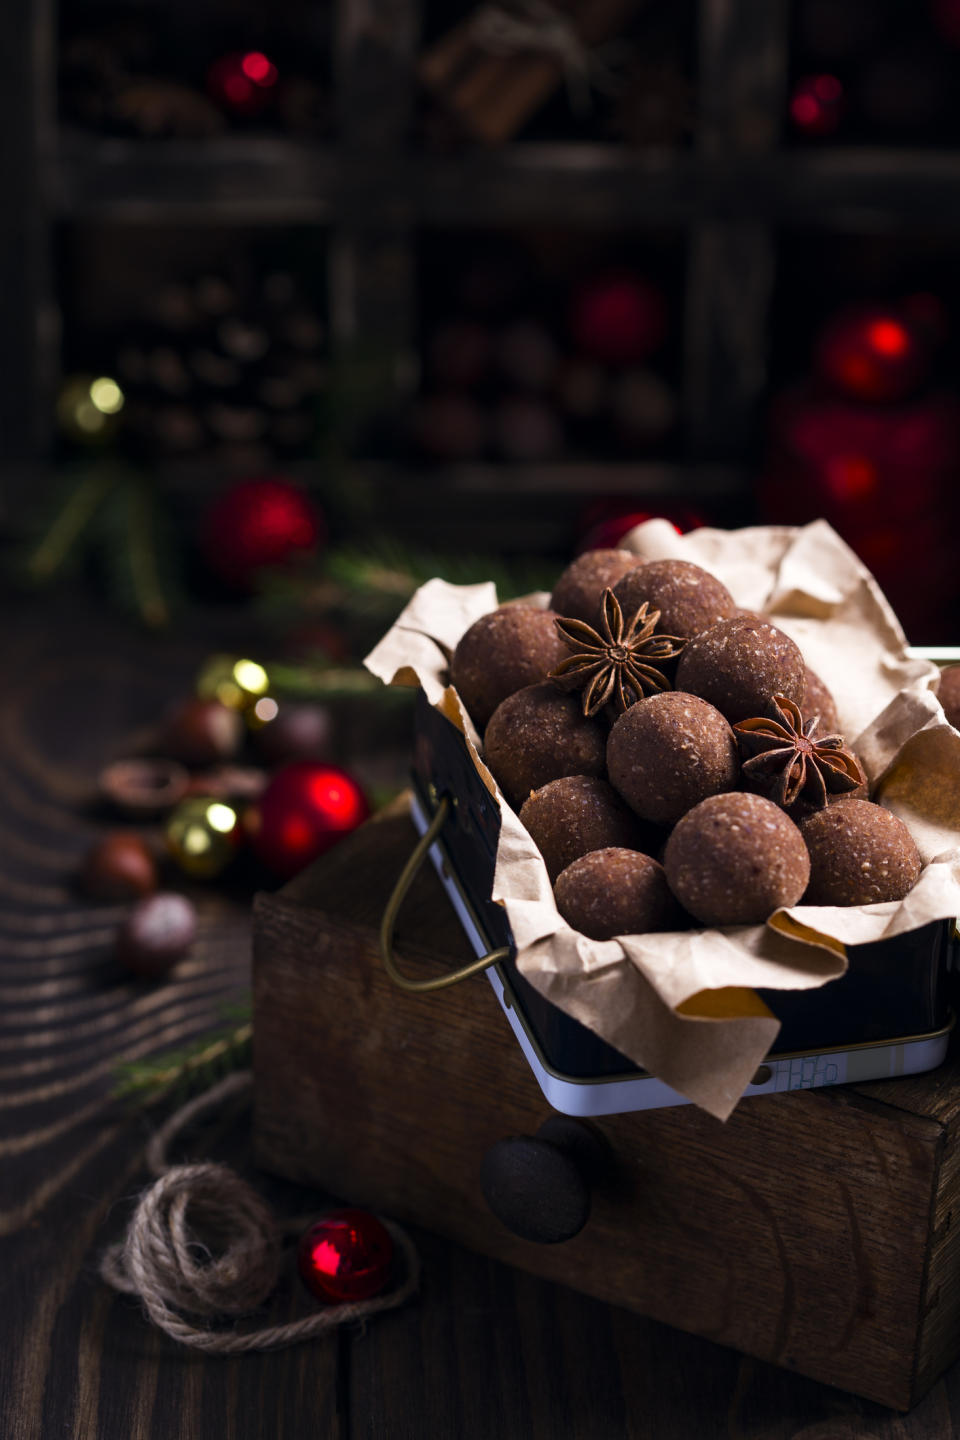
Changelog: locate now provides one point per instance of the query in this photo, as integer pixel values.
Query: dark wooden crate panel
(812, 1229)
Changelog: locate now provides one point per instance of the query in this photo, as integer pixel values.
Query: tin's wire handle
(453, 977)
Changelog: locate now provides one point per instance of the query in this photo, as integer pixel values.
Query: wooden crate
(813, 1229)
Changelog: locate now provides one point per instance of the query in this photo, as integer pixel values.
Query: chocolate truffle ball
(616, 892)
(734, 859)
(579, 590)
(817, 700)
(158, 932)
(539, 734)
(860, 854)
(500, 654)
(670, 751)
(689, 599)
(574, 815)
(739, 665)
(948, 693)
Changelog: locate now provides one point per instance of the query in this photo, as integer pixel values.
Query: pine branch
(141, 529)
(318, 681)
(70, 522)
(193, 1067)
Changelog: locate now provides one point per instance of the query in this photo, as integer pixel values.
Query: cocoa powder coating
(616, 892)
(538, 735)
(740, 664)
(574, 815)
(734, 859)
(578, 591)
(501, 653)
(689, 599)
(817, 700)
(948, 693)
(670, 751)
(860, 854)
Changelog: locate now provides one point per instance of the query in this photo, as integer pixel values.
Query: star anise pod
(618, 663)
(784, 759)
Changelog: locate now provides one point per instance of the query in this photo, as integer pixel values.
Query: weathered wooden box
(814, 1229)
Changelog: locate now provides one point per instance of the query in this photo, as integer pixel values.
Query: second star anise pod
(785, 760)
(618, 663)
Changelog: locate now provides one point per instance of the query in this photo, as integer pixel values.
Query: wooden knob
(539, 1185)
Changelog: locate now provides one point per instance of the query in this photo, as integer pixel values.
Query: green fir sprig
(177, 1074)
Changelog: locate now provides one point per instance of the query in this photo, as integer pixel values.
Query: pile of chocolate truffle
(672, 756)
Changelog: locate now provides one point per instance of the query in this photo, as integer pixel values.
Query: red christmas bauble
(816, 105)
(243, 82)
(885, 480)
(605, 523)
(619, 319)
(258, 524)
(945, 15)
(306, 808)
(345, 1256)
(874, 353)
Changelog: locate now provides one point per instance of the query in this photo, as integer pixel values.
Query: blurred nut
(300, 731)
(119, 867)
(201, 732)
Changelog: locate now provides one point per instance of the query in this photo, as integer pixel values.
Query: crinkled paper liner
(683, 1005)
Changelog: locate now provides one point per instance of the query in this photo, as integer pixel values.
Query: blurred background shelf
(750, 172)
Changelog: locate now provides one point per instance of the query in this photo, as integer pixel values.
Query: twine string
(204, 1243)
(534, 25)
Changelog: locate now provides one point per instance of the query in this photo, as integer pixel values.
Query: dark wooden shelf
(580, 479)
(256, 178)
(273, 179)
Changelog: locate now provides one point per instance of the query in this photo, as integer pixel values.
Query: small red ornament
(345, 1256)
(619, 319)
(606, 522)
(242, 83)
(874, 353)
(258, 524)
(816, 105)
(306, 809)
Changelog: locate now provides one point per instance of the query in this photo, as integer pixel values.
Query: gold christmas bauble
(235, 682)
(202, 835)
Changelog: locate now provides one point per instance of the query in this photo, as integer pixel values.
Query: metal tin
(893, 997)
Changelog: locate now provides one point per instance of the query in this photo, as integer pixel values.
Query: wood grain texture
(799, 1232)
(485, 1351)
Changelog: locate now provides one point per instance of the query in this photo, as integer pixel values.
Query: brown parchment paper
(683, 1005)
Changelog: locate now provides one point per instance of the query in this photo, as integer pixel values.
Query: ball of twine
(203, 1243)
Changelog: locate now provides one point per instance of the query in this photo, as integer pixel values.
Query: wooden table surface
(483, 1352)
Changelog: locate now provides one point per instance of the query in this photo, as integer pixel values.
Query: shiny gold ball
(235, 682)
(202, 835)
(88, 408)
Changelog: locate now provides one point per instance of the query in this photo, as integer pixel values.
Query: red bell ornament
(619, 319)
(256, 525)
(345, 1256)
(874, 353)
(306, 809)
